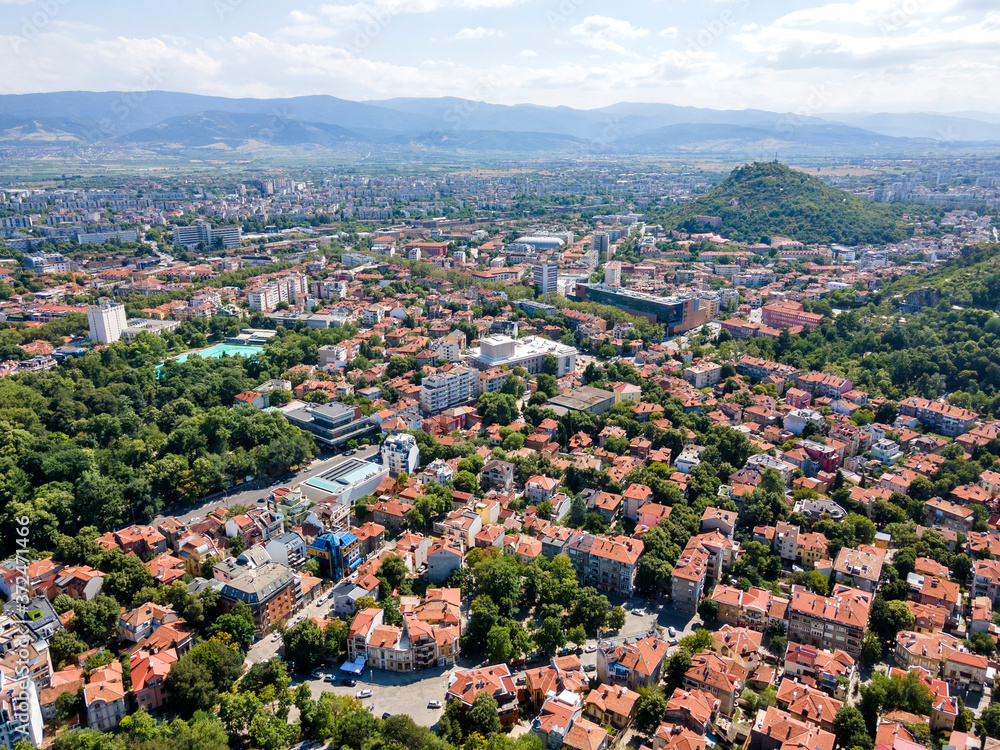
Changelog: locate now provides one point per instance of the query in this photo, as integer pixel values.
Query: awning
(354, 667)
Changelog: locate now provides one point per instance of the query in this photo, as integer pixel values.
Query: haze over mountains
(162, 121)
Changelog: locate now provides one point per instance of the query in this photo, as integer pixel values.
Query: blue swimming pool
(222, 350)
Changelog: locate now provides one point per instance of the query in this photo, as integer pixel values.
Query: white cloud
(527, 53)
(671, 31)
(607, 34)
(478, 33)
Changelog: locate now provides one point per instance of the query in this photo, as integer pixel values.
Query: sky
(804, 57)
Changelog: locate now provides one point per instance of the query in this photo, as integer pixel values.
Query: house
(986, 580)
(614, 563)
(498, 475)
(808, 704)
(465, 684)
(965, 671)
(859, 567)
(538, 489)
(830, 671)
(611, 704)
(149, 674)
(927, 651)
(104, 698)
(775, 729)
(562, 674)
(143, 620)
(695, 709)
(443, 558)
(713, 674)
(636, 664)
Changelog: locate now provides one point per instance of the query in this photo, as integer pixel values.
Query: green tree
(240, 631)
(305, 645)
(499, 647)
(577, 635)
(483, 716)
(550, 636)
(650, 709)
(616, 618)
(871, 649)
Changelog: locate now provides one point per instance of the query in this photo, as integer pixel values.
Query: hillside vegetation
(767, 199)
(969, 280)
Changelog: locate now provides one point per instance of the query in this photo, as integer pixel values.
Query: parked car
(329, 678)
(433, 704)
(672, 630)
(275, 637)
(347, 682)
(590, 648)
(589, 667)
(366, 693)
(672, 641)
(638, 611)
(386, 715)
(351, 453)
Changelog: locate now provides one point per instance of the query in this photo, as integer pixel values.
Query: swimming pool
(222, 350)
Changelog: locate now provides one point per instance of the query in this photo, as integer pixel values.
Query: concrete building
(400, 454)
(613, 273)
(529, 353)
(837, 621)
(587, 398)
(338, 554)
(451, 386)
(271, 591)
(203, 232)
(546, 277)
(106, 322)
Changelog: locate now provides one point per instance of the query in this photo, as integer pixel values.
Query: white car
(366, 693)
(590, 648)
(638, 611)
(434, 704)
(672, 631)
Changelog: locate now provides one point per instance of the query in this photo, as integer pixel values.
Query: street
(257, 494)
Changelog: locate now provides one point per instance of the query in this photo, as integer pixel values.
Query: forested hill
(969, 280)
(767, 199)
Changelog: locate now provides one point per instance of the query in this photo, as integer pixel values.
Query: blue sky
(806, 57)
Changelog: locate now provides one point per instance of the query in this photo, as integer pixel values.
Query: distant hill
(767, 199)
(171, 121)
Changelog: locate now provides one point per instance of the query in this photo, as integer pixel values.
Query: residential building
(400, 454)
(498, 475)
(415, 646)
(450, 386)
(808, 704)
(611, 704)
(775, 729)
(859, 567)
(271, 591)
(637, 664)
(104, 698)
(986, 580)
(703, 374)
(107, 322)
(943, 418)
(830, 671)
(201, 232)
(545, 276)
(788, 314)
(925, 650)
(613, 564)
(837, 621)
(149, 676)
(465, 684)
(713, 674)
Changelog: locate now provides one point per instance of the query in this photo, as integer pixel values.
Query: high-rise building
(106, 322)
(600, 241)
(613, 273)
(451, 386)
(202, 231)
(546, 277)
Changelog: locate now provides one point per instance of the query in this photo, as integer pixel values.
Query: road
(257, 494)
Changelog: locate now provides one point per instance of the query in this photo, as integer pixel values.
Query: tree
(304, 645)
(577, 513)
(190, 687)
(239, 630)
(591, 610)
(989, 721)
(850, 730)
(677, 667)
(650, 708)
(97, 619)
(708, 610)
(550, 365)
(577, 635)
(616, 618)
(64, 648)
(498, 645)
(483, 716)
(550, 636)
(871, 649)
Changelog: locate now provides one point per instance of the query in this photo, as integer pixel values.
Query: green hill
(767, 199)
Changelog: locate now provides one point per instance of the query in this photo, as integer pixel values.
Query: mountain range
(161, 121)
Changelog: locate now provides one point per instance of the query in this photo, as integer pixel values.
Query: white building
(529, 353)
(546, 277)
(20, 713)
(449, 387)
(289, 289)
(400, 454)
(106, 322)
(613, 273)
(202, 231)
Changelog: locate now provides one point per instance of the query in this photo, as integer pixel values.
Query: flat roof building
(529, 353)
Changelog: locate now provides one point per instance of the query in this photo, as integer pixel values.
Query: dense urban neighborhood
(496, 462)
